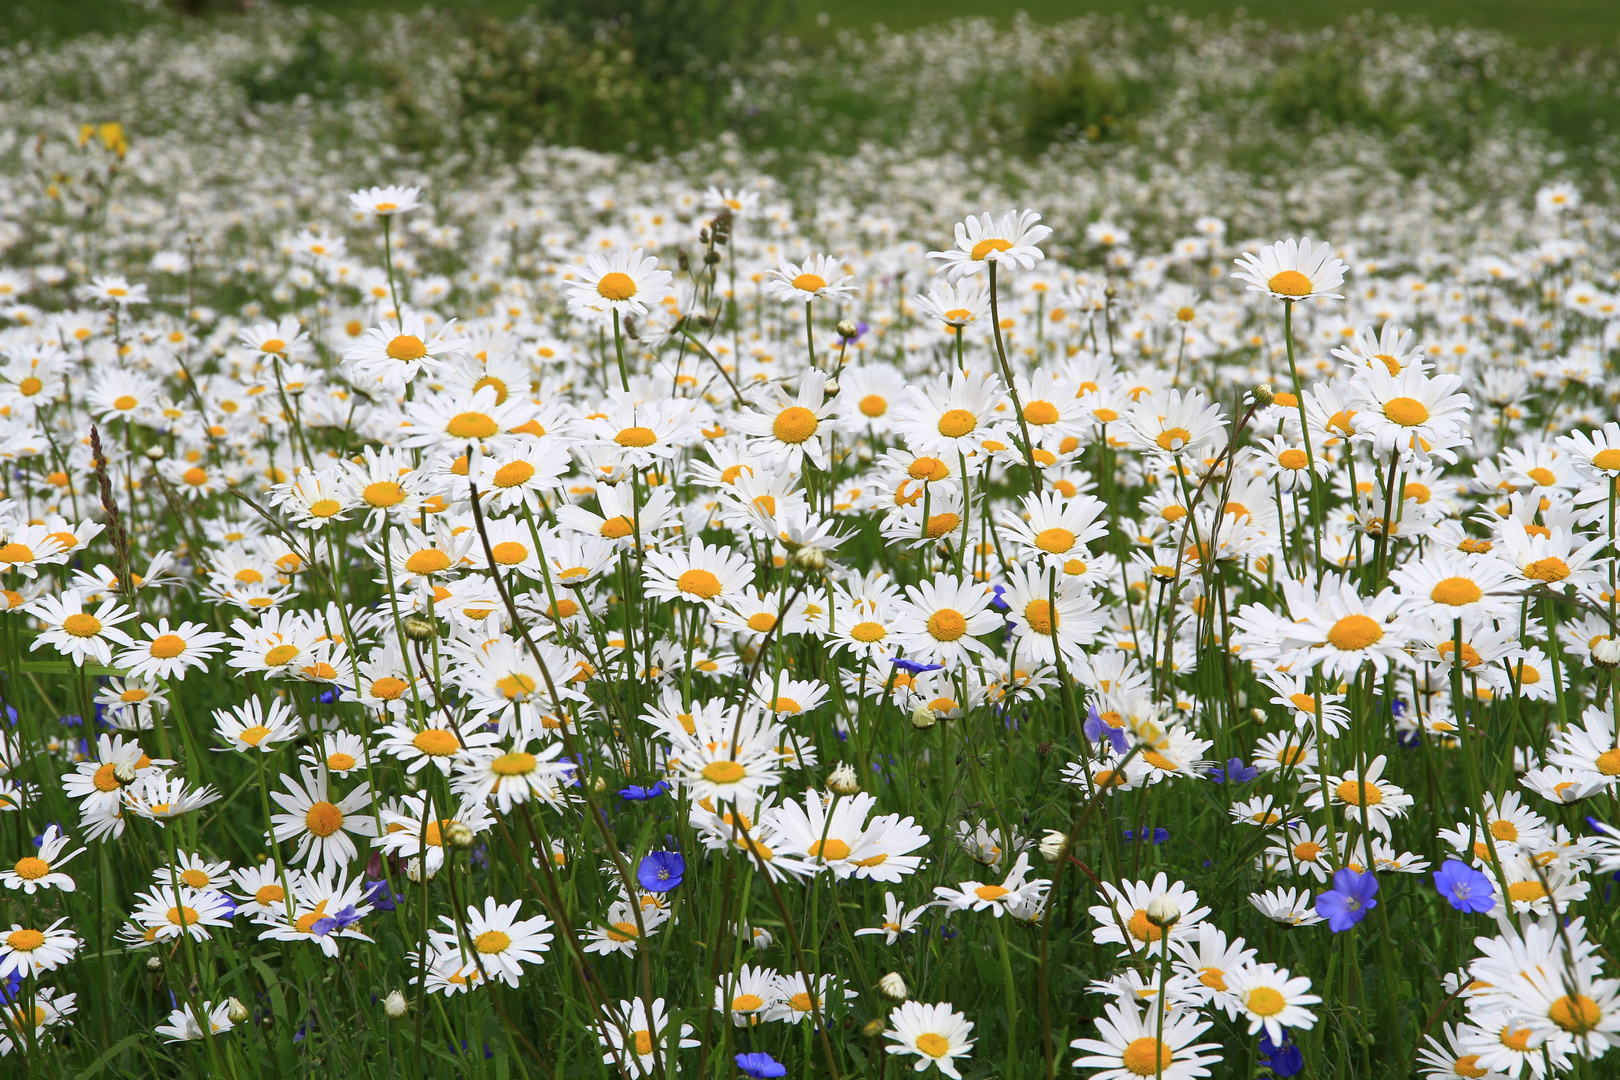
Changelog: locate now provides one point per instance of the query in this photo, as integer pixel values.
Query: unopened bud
(847, 329)
(1163, 912)
(922, 717)
(394, 1005)
(1259, 715)
(1054, 845)
(236, 1011)
(457, 834)
(154, 963)
(872, 1028)
(1606, 654)
(811, 558)
(842, 780)
(893, 987)
(599, 785)
(413, 871)
(419, 627)
(1264, 395)
(155, 453)
(124, 771)
(830, 388)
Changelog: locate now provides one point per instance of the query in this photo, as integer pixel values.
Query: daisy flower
(503, 943)
(261, 889)
(936, 1034)
(747, 994)
(183, 1025)
(631, 1033)
(1448, 586)
(1451, 1060)
(512, 776)
(956, 306)
(1292, 270)
(1550, 557)
(273, 339)
(30, 547)
(385, 201)
(953, 416)
(711, 576)
(818, 277)
(314, 499)
(1123, 920)
(433, 745)
(1272, 1001)
(43, 870)
(404, 836)
(249, 727)
(320, 823)
(980, 240)
(621, 284)
(787, 429)
(942, 619)
(168, 912)
(1174, 423)
(1412, 414)
(1048, 619)
(521, 474)
(1365, 796)
(78, 634)
(896, 920)
(1133, 1045)
(27, 952)
(450, 422)
(169, 652)
(1054, 529)
(393, 354)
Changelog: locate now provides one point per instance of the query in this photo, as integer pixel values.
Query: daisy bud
(830, 389)
(394, 1005)
(811, 558)
(847, 329)
(872, 1028)
(842, 780)
(893, 987)
(124, 771)
(419, 627)
(1606, 654)
(413, 871)
(1163, 912)
(599, 785)
(922, 717)
(236, 1011)
(155, 453)
(457, 834)
(1259, 715)
(154, 964)
(1264, 395)
(1054, 845)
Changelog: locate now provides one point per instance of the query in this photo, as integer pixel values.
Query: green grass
(1566, 23)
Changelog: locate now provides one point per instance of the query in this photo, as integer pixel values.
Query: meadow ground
(534, 547)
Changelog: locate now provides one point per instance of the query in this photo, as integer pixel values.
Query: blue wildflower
(760, 1066)
(1096, 731)
(661, 871)
(331, 924)
(1285, 1059)
(1154, 836)
(1465, 888)
(637, 793)
(912, 667)
(1235, 771)
(1348, 902)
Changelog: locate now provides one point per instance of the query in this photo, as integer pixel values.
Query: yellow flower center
(280, 655)
(876, 405)
(1040, 413)
(699, 583)
(1456, 591)
(25, 940)
(955, 423)
(1146, 1057)
(492, 941)
(1264, 1001)
(30, 868)
(723, 772)
(1608, 762)
(868, 632)
(124, 403)
(830, 850)
(1290, 283)
(1055, 540)
(16, 553)
(167, 646)
(1549, 569)
(947, 624)
(1173, 438)
(509, 552)
(1040, 616)
(795, 424)
(617, 528)
(436, 742)
(746, 1003)
(1354, 632)
(1141, 929)
(1515, 1040)
(406, 347)
(31, 386)
(941, 525)
(427, 561)
(1405, 411)
(809, 283)
(1214, 978)
(340, 762)
(616, 286)
(1350, 792)
(935, 1046)
(323, 819)
(987, 245)
(1525, 892)
(515, 686)
(82, 626)
(324, 508)
(763, 623)
(636, 436)
(472, 425)
(1607, 460)
(513, 473)
(1577, 1015)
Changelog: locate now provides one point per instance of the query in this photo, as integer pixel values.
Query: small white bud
(842, 780)
(922, 717)
(413, 871)
(1606, 653)
(893, 987)
(236, 1011)
(811, 558)
(153, 963)
(599, 785)
(457, 834)
(155, 452)
(1054, 844)
(394, 1005)
(1163, 912)
(124, 771)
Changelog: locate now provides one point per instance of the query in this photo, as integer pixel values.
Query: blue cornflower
(1285, 1059)
(1096, 731)
(912, 667)
(661, 871)
(1465, 888)
(997, 600)
(1235, 771)
(381, 898)
(1348, 902)
(637, 793)
(1154, 836)
(328, 924)
(761, 1066)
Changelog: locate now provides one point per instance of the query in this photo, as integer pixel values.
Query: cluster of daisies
(719, 623)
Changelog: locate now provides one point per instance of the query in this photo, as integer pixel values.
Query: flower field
(1053, 551)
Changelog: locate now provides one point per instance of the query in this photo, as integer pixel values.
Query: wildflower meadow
(1016, 552)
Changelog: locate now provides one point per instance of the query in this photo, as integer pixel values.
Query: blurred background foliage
(651, 76)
